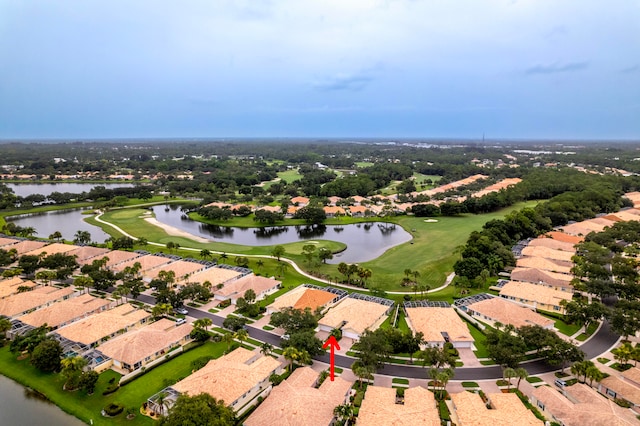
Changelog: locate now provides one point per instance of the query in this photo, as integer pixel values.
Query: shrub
(113, 409)
(111, 388)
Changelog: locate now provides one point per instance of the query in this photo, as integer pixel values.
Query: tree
(562, 352)
(84, 281)
(579, 369)
(362, 371)
(205, 254)
(57, 235)
(509, 373)
(161, 309)
(5, 325)
(593, 373)
(311, 214)
(46, 355)
(504, 348)
(199, 335)
(82, 237)
(228, 339)
(374, 348)
(343, 412)
(308, 251)
(88, 381)
(29, 263)
(324, 254)
(203, 323)
(294, 320)
(295, 355)
(266, 349)
(521, 373)
(241, 335)
(72, 370)
(282, 267)
(250, 295)
(278, 251)
(202, 409)
(623, 353)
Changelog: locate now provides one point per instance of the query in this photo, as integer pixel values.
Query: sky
(522, 69)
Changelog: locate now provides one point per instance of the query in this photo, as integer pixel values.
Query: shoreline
(175, 232)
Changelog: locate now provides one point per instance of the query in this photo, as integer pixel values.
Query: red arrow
(332, 343)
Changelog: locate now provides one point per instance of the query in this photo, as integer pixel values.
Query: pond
(68, 222)
(25, 189)
(365, 241)
(22, 406)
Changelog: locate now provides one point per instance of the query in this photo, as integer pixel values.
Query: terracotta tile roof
(503, 184)
(230, 376)
(548, 253)
(95, 327)
(561, 236)
(624, 389)
(633, 196)
(530, 293)
(53, 248)
(613, 218)
(552, 244)
(214, 275)
(334, 200)
(501, 310)
(147, 262)
(273, 209)
(23, 302)
(26, 246)
(65, 311)
(333, 210)
(295, 402)
(471, 410)
(545, 264)
(303, 297)
(585, 408)
(144, 342)
(433, 322)
(538, 276)
(379, 408)
(118, 256)
(7, 241)
(238, 288)
(357, 209)
(626, 215)
(358, 315)
(88, 252)
(632, 374)
(585, 227)
(300, 200)
(10, 286)
(179, 267)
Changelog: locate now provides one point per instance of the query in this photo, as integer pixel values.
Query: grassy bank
(88, 407)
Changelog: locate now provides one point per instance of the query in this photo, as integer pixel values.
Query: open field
(88, 407)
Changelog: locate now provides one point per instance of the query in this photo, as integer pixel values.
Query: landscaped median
(130, 396)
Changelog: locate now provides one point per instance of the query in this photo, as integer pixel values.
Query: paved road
(599, 343)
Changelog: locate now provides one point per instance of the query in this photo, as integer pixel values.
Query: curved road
(600, 342)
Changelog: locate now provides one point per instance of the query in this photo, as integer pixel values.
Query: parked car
(181, 310)
(180, 321)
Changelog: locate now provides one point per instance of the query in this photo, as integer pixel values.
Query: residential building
(97, 328)
(550, 279)
(580, 405)
(559, 266)
(23, 303)
(147, 262)
(215, 276)
(535, 296)
(236, 378)
(355, 314)
(617, 388)
(438, 325)
(26, 246)
(298, 401)
(381, 407)
(236, 289)
(66, 311)
(10, 286)
(139, 347)
(548, 253)
(182, 269)
(497, 309)
(505, 408)
(307, 296)
(50, 249)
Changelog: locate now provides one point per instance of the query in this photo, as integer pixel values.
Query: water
(20, 406)
(24, 189)
(365, 241)
(68, 222)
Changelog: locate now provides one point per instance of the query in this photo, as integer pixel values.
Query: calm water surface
(24, 189)
(365, 241)
(20, 406)
(68, 222)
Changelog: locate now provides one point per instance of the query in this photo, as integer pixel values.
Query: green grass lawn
(479, 339)
(88, 407)
(534, 379)
(566, 329)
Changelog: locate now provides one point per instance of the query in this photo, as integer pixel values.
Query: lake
(24, 189)
(365, 241)
(21, 406)
(68, 222)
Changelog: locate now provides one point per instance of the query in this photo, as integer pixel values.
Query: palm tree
(443, 378)
(592, 373)
(292, 354)
(266, 349)
(623, 353)
(241, 335)
(83, 281)
(204, 323)
(343, 412)
(362, 371)
(259, 264)
(72, 369)
(521, 373)
(415, 274)
(205, 254)
(27, 232)
(282, 268)
(5, 325)
(508, 374)
(163, 402)
(57, 235)
(228, 338)
(82, 237)
(580, 369)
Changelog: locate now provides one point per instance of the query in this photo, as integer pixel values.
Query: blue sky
(329, 68)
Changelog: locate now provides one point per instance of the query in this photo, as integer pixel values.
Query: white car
(181, 310)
